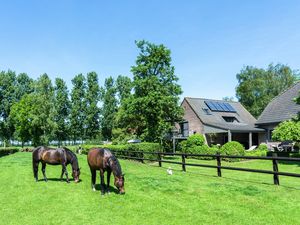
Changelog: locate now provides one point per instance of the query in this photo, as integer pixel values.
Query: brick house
(219, 121)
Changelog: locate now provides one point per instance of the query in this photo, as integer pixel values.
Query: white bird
(169, 171)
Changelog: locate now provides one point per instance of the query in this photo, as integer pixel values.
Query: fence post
(219, 164)
(142, 157)
(159, 159)
(275, 169)
(183, 162)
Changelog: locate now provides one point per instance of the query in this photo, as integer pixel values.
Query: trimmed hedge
(232, 148)
(129, 148)
(204, 149)
(8, 151)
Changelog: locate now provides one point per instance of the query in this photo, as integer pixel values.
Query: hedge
(232, 148)
(8, 151)
(129, 148)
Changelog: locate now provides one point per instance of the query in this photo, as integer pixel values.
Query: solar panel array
(219, 106)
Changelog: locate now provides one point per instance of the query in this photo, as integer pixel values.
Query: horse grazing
(59, 156)
(103, 160)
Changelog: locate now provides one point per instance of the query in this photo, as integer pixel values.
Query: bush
(204, 149)
(8, 151)
(260, 151)
(232, 148)
(130, 148)
(192, 141)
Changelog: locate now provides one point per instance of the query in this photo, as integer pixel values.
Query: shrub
(204, 149)
(8, 151)
(192, 141)
(232, 148)
(287, 130)
(129, 148)
(260, 151)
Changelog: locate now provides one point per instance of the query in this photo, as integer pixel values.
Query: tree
(78, 105)
(287, 130)
(109, 108)
(7, 98)
(24, 85)
(44, 111)
(92, 109)
(62, 110)
(124, 87)
(154, 106)
(256, 87)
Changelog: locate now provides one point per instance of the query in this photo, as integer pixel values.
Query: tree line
(146, 106)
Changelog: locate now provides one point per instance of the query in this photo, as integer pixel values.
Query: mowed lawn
(152, 197)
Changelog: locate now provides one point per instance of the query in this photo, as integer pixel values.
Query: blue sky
(210, 41)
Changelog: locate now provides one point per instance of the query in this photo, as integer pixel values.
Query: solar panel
(219, 106)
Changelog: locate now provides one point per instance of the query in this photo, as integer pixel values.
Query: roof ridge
(212, 99)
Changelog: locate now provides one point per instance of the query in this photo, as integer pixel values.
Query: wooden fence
(139, 155)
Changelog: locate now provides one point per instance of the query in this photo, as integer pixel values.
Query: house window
(206, 111)
(184, 127)
(230, 119)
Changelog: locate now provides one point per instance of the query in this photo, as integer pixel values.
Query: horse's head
(119, 183)
(75, 174)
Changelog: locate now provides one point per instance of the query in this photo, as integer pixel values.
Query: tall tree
(33, 115)
(124, 87)
(62, 110)
(256, 87)
(78, 105)
(44, 112)
(7, 98)
(154, 106)
(92, 109)
(109, 108)
(24, 85)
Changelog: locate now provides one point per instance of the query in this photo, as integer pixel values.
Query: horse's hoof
(94, 189)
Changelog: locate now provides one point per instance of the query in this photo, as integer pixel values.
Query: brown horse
(59, 156)
(103, 160)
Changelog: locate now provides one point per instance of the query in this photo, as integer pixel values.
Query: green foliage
(33, 115)
(260, 151)
(92, 123)
(192, 141)
(287, 130)
(232, 148)
(8, 151)
(109, 109)
(62, 110)
(78, 106)
(154, 106)
(123, 86)
(203, 149)
(256, 87)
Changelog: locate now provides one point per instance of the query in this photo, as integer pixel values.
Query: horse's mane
(73, 155)
(115, 165)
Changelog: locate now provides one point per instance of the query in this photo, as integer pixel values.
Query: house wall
(195, 125)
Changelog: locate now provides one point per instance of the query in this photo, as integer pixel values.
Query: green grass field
(152, 197)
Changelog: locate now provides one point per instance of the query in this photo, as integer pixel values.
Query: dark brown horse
(103, 160)
(59, 156)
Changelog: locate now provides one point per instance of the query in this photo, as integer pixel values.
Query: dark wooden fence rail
(139, 155)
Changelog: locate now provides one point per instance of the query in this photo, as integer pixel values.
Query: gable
(282, 107)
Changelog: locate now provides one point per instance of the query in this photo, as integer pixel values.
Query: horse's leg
(102, 181)
(93, 172)
(35, 166)
(66, 172)
(62, 174)
(44, 171)
(108, 180)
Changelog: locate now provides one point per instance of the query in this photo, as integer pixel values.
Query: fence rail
(139, 156)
